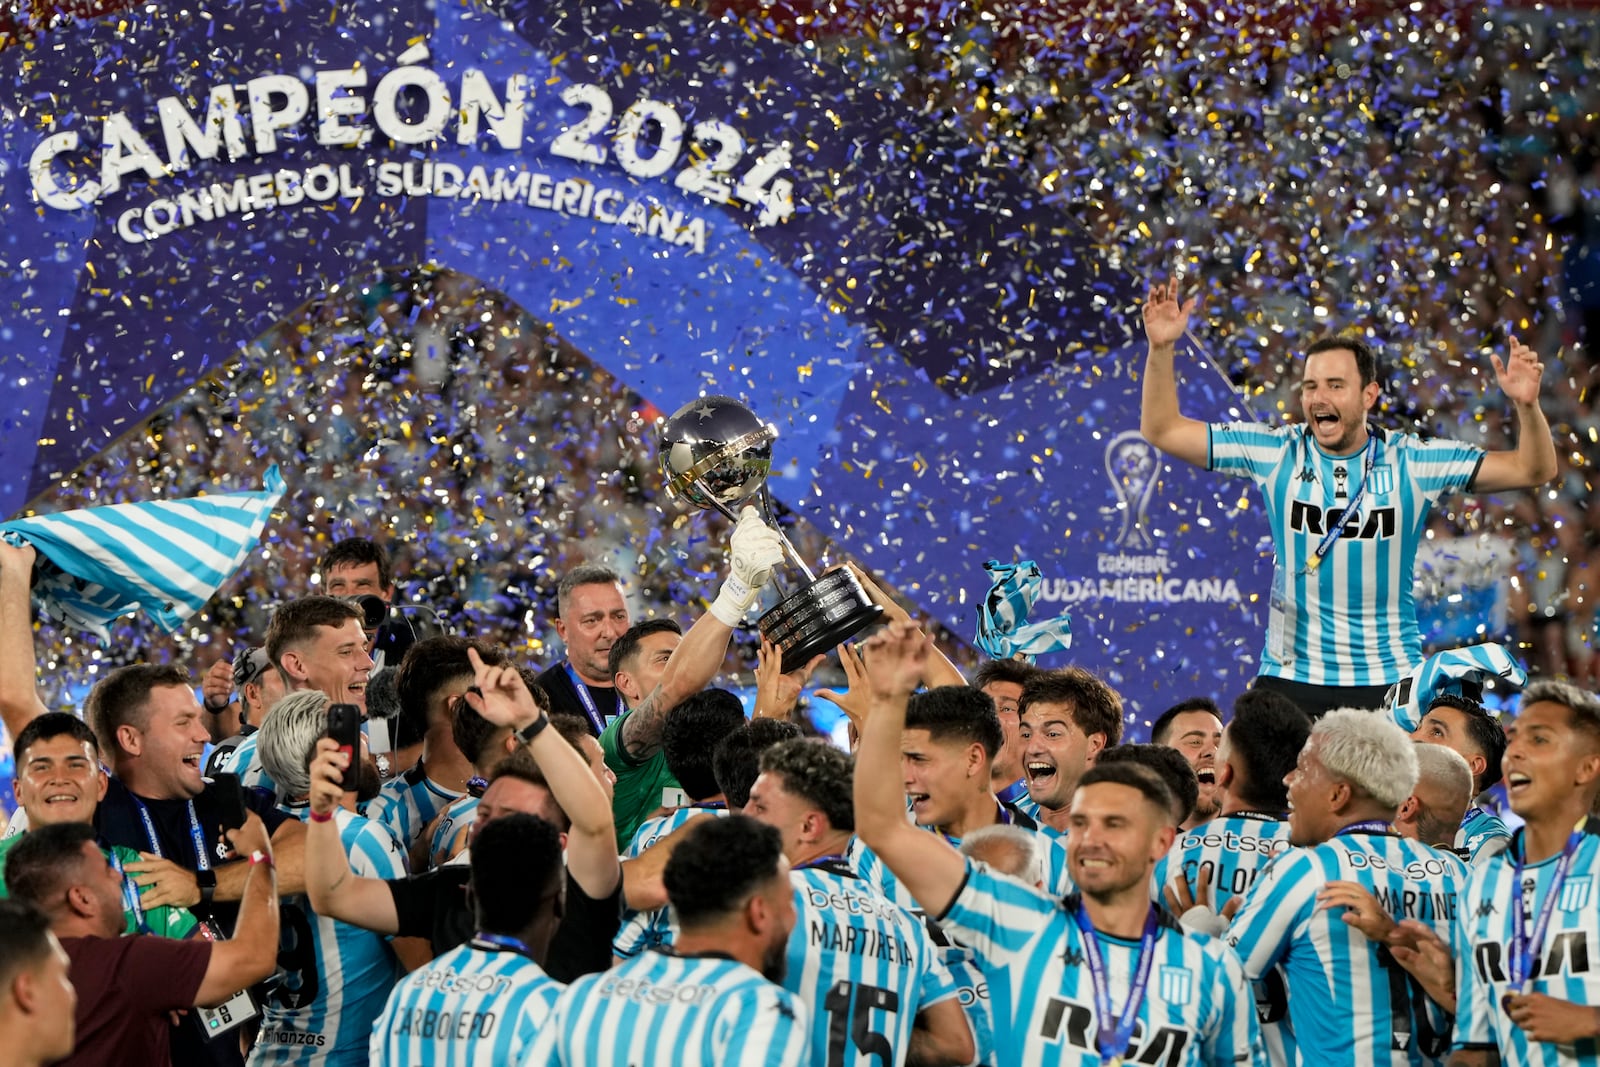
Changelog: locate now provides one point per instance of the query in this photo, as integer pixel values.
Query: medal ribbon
(1111, 1038)
(1337, 528)
(499, 943)
(1526, 947)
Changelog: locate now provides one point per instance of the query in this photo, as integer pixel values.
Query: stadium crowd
(608, 862)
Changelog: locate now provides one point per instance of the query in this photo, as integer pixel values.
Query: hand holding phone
(228, 792)
(344, 726)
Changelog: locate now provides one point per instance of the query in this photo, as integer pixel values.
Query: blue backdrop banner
(696, 206)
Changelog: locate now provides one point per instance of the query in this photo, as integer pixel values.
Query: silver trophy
(715, 453)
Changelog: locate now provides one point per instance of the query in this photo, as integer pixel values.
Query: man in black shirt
(590, 616)
(150, 728)
(547, 778)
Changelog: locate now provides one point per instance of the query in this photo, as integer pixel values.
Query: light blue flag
(1448, 672)
(1003, 627)
(166, 556)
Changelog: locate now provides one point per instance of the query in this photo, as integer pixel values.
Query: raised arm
(754, 549)
(503, 699)
(251, 954)
(19, 699)
(1533, 461)
(925, 863)
(335, 890)
(939, 671)
(1160, 421)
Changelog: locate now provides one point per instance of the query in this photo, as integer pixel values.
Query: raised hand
(1519, 374)
(499, 694)
(854, 702)
(1165, 318)
(776, 692)
(897, 660)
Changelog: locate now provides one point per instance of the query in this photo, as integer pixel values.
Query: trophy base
(818, 618)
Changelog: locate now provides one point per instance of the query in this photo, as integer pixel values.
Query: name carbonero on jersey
(445, 1025)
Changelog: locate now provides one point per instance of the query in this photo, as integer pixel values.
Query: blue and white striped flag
(1003, 627)
(166, 556)
(1445, 672)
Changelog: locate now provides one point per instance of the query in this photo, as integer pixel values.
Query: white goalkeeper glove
(754, 549)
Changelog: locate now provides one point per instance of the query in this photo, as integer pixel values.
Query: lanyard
(833, 861)
(1016, 789)
(1371, 826)
(499, 943)
(1527, 947)
(1337, 527)
(130, 892)
(1111, 1038)
(202, 857)
(587, 700)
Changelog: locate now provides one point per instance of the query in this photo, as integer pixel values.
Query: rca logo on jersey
(1070, 1022)
(1568, 951)
(1308, 518)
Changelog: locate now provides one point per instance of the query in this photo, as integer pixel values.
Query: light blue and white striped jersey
(478, 1004)
(1569, 964)
(1353, 622)
(1196, 1010)
(656, 928)
(454, 819)
(1030, 807)
(1349, 1003)
(333, 977)
(245, 761)
(1482, 834)
(671, 1011)
(1232, 851)
(407, 804)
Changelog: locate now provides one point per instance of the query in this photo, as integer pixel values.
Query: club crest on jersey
(1176, 984)
(1574, 896)
(1381, 481)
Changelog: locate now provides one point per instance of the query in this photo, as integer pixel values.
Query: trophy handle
(772, 521)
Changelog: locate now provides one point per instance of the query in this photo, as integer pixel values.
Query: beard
(775, 961)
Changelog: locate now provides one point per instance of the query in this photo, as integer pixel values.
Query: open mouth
(61, 798)
(1325, 420)
(192, 760)
(917, 799)
(1039, 772)
(1517, 781)
(1207, 776)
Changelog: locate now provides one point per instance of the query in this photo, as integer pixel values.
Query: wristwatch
(207, 881)
(532, 730)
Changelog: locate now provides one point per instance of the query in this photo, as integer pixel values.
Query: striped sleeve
(938, 984)
(1441, 466)
(1247, 449)
(1276, 909)
(373, 851)
(533, 1011)
(1235, 1036)
(996, 915)
(1474, 1014)
(763, 1023)
(545, 1048)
